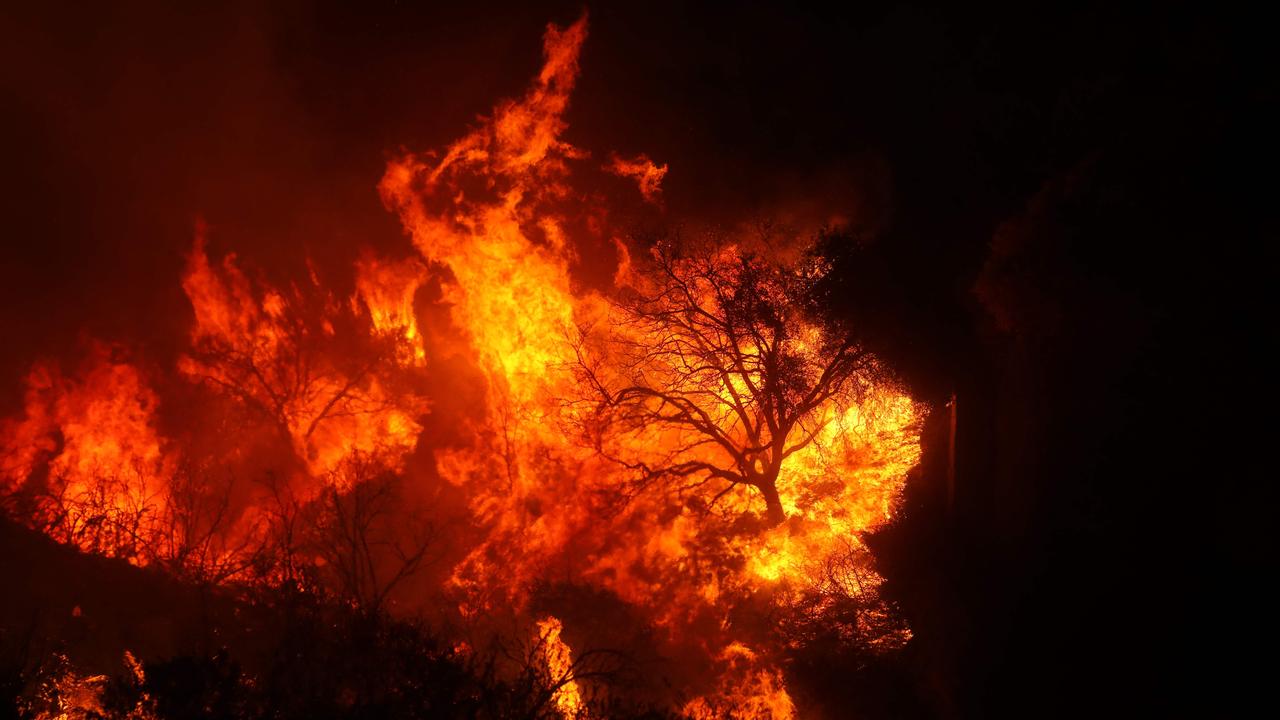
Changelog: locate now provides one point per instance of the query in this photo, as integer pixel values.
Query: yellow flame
(566, 695)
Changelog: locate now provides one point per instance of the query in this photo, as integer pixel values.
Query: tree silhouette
(367, 550)
(722, 353)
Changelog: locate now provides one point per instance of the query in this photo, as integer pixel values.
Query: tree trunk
(775, 514)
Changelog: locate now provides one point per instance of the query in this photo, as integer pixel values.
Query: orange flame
(647, 175)
(95, 434)
(746, 691)
(496, 219)
(566, 695)
(388, 289)
(508, 251)
(261, 348)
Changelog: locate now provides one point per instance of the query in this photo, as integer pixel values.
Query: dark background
(1060, 217)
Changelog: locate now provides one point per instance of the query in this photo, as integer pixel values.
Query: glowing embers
(59, 691)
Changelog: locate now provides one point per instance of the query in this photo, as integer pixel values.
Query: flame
(645, 172)
(509, 292)
(59, 691)
(94, 433)
(262, 348)
(388, 289)
(847, 482)
(490, 208)
(498, 220)
(566, 695)
(747, 691)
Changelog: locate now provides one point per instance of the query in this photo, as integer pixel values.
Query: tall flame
(566, 695)
(475, 211)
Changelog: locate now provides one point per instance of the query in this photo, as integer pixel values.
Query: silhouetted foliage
(311, 657)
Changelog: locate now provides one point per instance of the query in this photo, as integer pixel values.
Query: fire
(867, 449)
(279, 353)
(510, 292)
(492, 209)
(647, 174)
(388, 289)
(566, 695)
(61, 692)
(92, 436)
(746, 691)
(684, 521)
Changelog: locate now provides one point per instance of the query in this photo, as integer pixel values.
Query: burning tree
(719, 368)
(308, 363)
